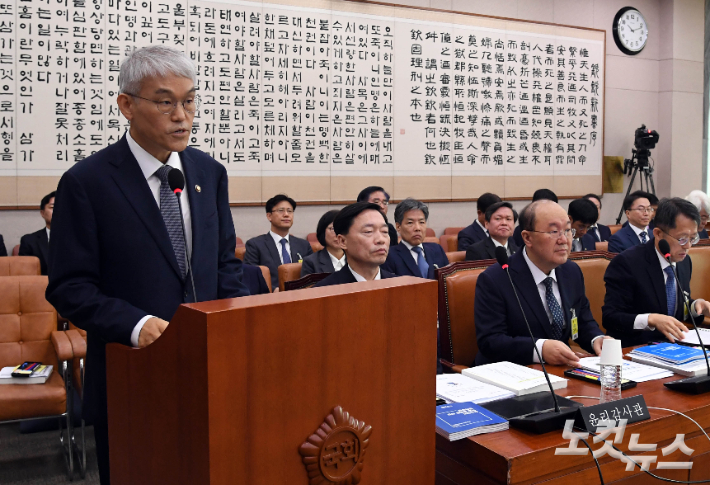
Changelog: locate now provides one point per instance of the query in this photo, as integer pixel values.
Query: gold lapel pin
(198, 188)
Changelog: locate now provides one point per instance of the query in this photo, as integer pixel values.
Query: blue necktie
(555, 309)
(170, 211)
(421, 262)
(643, 237)
(671, 294)
(284, 252)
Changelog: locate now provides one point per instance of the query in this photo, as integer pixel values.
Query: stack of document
(692, 338)
(632, 371)
(459, 388)
(461, 420)
(39, 376)
(516, 378)
(681, 359)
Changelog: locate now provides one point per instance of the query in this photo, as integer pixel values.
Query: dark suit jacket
(590, 238)
(36, 244)
(319, 262)
(500, 327)
(518, 236)
(345, 276)
(401, 263)
(470, 235)
(588, 244)
(703, 235)
(394, 237)
(253, 279)
(635, 285)
(486, 249)
(3, 251)
(111, 261)
(626, 238)
(261, 251)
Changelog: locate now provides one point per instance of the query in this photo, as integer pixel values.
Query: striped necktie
(170, 210)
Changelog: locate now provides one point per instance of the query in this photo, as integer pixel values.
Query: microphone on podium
(539, 418)
(176, 180)
(690, 385)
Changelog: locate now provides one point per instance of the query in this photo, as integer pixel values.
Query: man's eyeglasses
(569, 233)
(283, 211)
(166, 107)
(380, 202)
(646, 210)
(693, 240)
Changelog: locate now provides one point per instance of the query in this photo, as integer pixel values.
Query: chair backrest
(700, 279)
(288, 272)
(449, 242)
(456, 256)
(266, 272)
(430, 232)
(312, 237)
(240, 251)
(316, 246)
(614, 227)
(593, 269)
(457, 292)
(452, 231)
(27, 321)
(431, 239)
(19, 266)
(240, 243)
(602, 246)
(16, 250)
(305, 282)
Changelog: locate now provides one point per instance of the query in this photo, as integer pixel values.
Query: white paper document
(459, 388)
(632, 371)
(517, 378)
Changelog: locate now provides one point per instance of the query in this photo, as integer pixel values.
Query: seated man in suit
(253, 279)
(477, 231)
(639, 213)
(3, 251)
(701, 202)
(500, 221)
(642, 302)
(377, 195)
(277, 246)
(551, 291)
(597, 232)
(332, 257)
(37, 243)
(362, 232)
(540, 194)
(582, 214)
(413, 256)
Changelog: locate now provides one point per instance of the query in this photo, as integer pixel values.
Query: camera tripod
(647, 174)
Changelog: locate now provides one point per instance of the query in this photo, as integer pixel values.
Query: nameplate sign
(632, 409)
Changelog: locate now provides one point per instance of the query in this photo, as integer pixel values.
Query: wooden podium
(244, 390)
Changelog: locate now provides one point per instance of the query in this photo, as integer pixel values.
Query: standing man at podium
(118, 258)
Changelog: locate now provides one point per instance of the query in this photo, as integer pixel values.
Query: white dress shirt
(337, 263)
(360, 278)
(47, 229)
(277, 239)
(497, 244)
(639, 231)
(482, 227)
(413, 252)
(641, 320)
(149, 165)
(539, 276)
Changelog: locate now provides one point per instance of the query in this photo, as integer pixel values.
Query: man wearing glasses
(639, 213)
(552, 294)
(277, 246)
(118, 258)
(643, 302)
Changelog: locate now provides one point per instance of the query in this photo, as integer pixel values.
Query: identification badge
(575, 325)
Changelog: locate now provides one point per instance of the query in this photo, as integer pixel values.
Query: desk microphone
(176, 180)
(690, 385)
(540, 419)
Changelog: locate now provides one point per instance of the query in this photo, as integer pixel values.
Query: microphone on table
(176, 180)
(690, 385)
(539, 419)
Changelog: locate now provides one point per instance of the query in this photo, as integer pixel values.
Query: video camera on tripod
(644, 141)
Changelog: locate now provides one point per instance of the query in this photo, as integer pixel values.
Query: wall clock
(630, 31)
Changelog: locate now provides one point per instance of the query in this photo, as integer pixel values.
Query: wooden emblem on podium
(334, 454)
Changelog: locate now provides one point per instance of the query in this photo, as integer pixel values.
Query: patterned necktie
(555, 309)
(576, 245)
(643, 237)
(170, 211)
(284, 252)
(421, 262)
(671, 294)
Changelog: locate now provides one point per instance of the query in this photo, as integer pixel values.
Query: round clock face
(630, 30)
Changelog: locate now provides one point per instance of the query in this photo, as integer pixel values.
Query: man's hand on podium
(150, 332)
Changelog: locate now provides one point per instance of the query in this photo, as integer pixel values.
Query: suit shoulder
(96, 163)
(384, 274)
(205, 161)
(256, 240)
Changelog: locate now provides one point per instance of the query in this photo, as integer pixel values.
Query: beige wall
(661, 87)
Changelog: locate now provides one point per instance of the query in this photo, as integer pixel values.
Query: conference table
(519, 457)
